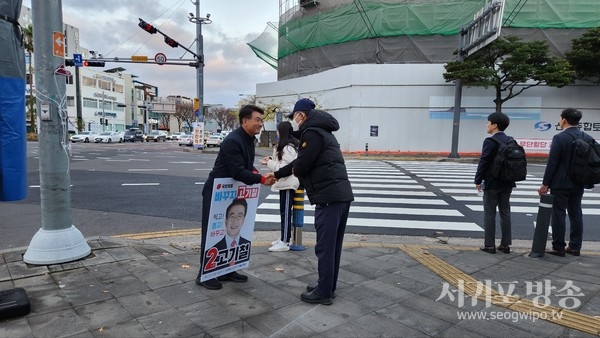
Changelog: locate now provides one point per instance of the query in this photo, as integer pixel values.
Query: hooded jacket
(320, 165)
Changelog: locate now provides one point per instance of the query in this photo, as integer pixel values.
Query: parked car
(157, 135)
(186, 140)
(175, 136)
(85, 136)
(109, 137)
(214, 140)
(133, 134)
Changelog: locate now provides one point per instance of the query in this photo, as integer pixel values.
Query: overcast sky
(231, 68)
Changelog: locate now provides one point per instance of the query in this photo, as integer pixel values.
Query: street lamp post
(199, 21)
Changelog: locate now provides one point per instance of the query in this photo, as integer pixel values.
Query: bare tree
(227, 119)
(163, 121)
(184, 114)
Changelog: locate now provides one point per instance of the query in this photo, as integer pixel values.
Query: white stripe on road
(136, 184)
(386, 223)
(386, 199)
(532, 210)
(387, 186)
(147, 169)
(379, 210)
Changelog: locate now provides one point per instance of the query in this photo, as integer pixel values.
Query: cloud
(231, 68)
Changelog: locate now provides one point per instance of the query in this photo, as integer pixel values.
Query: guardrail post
(298, 220)
(540, 236)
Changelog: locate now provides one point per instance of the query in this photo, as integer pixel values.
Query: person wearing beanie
(321, 169)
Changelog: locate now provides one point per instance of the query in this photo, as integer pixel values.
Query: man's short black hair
(247, 110)
(499, 119)
(572, 116)
(237, 201)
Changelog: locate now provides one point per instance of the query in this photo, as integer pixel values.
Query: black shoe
(560, 253)
(233, 277)
(504, 248)
(211, 284)
(315, 297)
(311, 287)
(572, 251)
(488, 249)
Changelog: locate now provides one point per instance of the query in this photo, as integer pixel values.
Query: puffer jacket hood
(320, 119)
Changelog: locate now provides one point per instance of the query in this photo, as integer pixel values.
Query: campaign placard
(230, 227)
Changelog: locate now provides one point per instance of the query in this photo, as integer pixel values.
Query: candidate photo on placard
(230, 228)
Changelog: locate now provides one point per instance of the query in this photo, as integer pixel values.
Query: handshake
(270, 177)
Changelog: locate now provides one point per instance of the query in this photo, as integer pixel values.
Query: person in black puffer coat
(322, 172)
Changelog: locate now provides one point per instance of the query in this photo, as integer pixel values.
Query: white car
(176, 135)
(214, 140)
(186, 140)
(109, 137)
(85, 136)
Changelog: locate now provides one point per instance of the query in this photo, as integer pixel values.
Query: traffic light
(101, 121)
(171, 42)
(147, 27)
(93, 63)
(69, 62)
(106, 122)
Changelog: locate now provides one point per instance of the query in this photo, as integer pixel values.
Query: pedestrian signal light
(171, 42)
(69, 62)
(101, 121)
(147, 27)
(106, 122)
(92, 63)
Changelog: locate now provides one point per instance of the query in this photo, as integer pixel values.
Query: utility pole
(58, 241)
(199, 21)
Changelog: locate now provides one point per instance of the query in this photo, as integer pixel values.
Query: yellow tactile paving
(472, 287)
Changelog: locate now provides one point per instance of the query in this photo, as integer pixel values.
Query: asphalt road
(144, 187)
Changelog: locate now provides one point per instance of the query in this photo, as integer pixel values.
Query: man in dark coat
(496, 193)
(567, 194)
(321, 169)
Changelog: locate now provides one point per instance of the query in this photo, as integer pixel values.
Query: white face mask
(295, 125)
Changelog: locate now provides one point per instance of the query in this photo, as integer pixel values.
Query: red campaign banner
(230, 227)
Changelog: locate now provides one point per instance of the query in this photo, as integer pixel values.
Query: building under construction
(378, 65)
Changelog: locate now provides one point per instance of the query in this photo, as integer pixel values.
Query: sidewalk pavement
(391, 286)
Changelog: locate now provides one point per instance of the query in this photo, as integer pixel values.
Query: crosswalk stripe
(379, 210)
(532, 210)
(387, 223)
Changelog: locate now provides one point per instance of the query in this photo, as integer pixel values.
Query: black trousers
(330, 225)
(500, 198)
(286, 202)
(567, 201)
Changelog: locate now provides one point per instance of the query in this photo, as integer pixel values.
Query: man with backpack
(567, 193)
(496, 191)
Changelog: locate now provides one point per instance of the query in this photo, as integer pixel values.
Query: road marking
(187, 162)
(136, 184)
(386, 223)
(198, 182)
(147, 169)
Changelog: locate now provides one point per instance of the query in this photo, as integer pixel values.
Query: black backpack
(584, 167)
(510, 162)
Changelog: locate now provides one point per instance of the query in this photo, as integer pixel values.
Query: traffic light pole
(58, 241)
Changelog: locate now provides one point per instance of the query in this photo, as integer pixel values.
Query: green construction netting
(364, 19)
(265, 46)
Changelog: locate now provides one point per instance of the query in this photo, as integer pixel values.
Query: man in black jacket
(235, 160)
(321, 169)
(496, 193)
(567, 194)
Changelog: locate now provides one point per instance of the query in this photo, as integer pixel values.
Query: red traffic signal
(147, 27)
(92, 63)
(171, 42)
